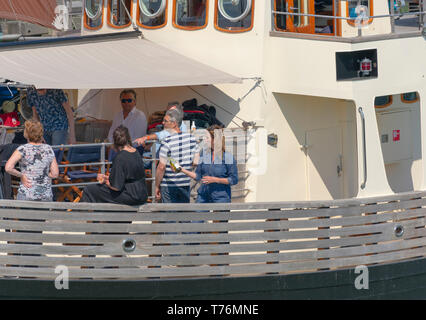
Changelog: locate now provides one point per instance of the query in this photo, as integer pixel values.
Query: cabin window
(93, 14)
(409, 97)
(234, 15)
(152, 13)
(118, 13)
(280, 19)
(382, 101)
(190, 14)
(360, 10)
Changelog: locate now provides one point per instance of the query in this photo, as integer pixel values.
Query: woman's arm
(190, 174)
(54, 169)
(70, 116)
(10, 168)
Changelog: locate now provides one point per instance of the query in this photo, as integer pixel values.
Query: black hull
(403, 280)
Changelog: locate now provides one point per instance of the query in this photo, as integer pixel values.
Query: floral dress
(35, 165)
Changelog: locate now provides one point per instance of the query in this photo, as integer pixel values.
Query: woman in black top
(126, 183)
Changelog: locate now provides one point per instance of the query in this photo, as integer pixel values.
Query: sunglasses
(126, 100)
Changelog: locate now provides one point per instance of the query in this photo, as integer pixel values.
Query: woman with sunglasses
(129, 116)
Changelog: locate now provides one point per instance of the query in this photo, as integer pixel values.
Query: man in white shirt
(130, 117)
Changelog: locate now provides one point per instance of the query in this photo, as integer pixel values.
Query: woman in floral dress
(37, 163)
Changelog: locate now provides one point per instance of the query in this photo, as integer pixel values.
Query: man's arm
(142, 140)
(35, 114)
(161, 169)
(70, 116)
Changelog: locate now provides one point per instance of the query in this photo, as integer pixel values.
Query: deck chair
(86, 173)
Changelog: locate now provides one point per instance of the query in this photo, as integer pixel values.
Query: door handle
(340, 166)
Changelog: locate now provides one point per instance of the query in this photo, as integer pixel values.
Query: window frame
(352, 22)
(409, 101)
(385, 105)
(109, 15)
(139, 12)
(185, 27)
(216, 18)
(85, 18)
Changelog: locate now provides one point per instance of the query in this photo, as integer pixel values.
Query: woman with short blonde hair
(37, 163)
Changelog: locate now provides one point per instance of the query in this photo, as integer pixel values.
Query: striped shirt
(181, 147)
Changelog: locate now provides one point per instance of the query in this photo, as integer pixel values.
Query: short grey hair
(175, 115)
(176, 104)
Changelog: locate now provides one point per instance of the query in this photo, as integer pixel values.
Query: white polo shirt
(135, 122)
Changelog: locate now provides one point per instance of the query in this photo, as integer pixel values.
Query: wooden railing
(99, 241)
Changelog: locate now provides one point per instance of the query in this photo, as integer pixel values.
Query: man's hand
(157, 193)
(141, 141)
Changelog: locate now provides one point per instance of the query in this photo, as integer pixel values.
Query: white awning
(104, 63)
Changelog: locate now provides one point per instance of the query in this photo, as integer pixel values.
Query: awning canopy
(103, 62)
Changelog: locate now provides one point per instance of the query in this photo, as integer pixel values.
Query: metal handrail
(347, 18)
(392, 15)
(364, 147)
(102, 163)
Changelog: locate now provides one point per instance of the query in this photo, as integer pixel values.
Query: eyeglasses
(126, 100)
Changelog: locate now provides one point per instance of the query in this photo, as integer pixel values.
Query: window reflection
(117, 14)
(93, 14)
(234, 15)
(281, 19)
(324, 25)
(359, 8)
(409, 97)
(190, 13)
(152, 13)
(382, 101)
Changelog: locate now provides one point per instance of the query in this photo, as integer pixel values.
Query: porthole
(152, 8)
(151, 14)
(190, 14)
(93, 14)
(383, 101)
(93, 9)
(234, 10)
(409, 97)
(119, 13)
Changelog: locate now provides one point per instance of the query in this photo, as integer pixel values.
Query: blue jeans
(175, 194)
(55, 138)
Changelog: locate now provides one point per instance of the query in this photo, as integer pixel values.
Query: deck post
(370, 157)
(422, 102)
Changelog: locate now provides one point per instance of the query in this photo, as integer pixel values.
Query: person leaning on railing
(126, 182)
(37, 163)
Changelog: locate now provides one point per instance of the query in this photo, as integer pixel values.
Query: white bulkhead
(290, 88)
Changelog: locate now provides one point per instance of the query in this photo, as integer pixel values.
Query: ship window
(93, 14)
(152, 13)
(359, 10)
(382, 101)
(280, 19)
(409, 97)
(117, 13)
(234, 15)
(190, 14)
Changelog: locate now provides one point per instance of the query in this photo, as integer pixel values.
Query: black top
(128, 175)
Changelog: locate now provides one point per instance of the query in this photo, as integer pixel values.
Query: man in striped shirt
(171, 186)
